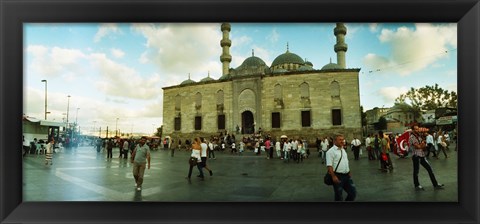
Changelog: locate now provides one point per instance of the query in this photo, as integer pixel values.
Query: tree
(428, 98)
(159, 131)
(381, 124)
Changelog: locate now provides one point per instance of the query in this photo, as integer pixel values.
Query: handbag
(327, 179)
(192, 161)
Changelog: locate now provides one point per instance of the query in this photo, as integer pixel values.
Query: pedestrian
(109, 149)
(125, 149)
(49, 152)
(278, 149)
(196, 153)
(242, 147)
(234, 149)
(203, 156)
(430, 146)
(211, 150)
(442, 145)
(341, 176)
(418, 146)
(324, 150)
(26, 147)
(141, 160)
(356, 143)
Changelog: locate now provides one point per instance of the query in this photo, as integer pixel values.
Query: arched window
(277, 92)
(304, 91)
(220, 97)
(198, 100)
(335, 89)
(178, 102)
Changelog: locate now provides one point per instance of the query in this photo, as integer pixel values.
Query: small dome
(308, 63)
(206, 79)
(225, 77)
(330, 66)
(305, 68)
(188, 81)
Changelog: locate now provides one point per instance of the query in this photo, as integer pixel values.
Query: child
(49, 152)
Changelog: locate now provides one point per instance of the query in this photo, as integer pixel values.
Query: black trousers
(356, 152)
(417, 160)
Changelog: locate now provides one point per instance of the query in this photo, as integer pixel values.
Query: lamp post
(45, 81)
(76, 116)
(116, 127)
(68, 108)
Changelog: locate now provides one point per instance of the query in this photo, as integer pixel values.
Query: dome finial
(287, 46)
(253, 53)
(208, 74)
(188, 76)
(330, 59)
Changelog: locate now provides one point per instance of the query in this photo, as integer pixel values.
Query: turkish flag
(402, 141)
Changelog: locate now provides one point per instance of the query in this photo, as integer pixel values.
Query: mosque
(289, 97)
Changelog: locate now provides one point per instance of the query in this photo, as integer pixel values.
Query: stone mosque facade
(289, 97)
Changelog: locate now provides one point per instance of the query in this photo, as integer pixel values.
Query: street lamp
(68, 108)
(45, 81)
(116, 127)
(76, 116)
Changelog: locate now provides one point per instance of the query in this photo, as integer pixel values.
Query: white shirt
(277, 146)
(429, 139)
(333, 157)
(210, 145)
(324, 145)
(356, 142)
(204, 149)
(367, 141)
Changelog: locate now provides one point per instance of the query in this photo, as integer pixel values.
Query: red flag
(402, 141)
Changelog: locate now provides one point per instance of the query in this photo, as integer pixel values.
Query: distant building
(40, 129)
(289, 97)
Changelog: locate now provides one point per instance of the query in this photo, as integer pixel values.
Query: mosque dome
(287, 58)
(250, 66)
(206, 79)
(188, 81)
(253, 61)
(305, 68)
(308, 63)
(331, 65)
(225, 77)
(281, 70)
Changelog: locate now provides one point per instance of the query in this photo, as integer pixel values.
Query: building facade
(289, 97)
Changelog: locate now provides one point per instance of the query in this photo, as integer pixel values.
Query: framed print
(242, 99)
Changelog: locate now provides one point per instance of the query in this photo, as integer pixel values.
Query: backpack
(376, 143)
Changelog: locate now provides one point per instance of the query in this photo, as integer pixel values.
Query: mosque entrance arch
(247, 122)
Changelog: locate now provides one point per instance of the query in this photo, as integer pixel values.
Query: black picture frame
(13, 13)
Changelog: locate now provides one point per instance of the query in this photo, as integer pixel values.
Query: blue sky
(118, 70)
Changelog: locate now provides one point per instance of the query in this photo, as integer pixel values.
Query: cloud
(117, 53)
(104, 30)
(180, 48)
(122, 81)
(273, 36)
(413, 49)
(390, 93)
(51, 62)
(373, 27)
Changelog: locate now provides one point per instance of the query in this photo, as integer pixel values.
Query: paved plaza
(82, 174)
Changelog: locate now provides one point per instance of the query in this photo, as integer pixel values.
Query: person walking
(356, 147)
(196, 153)
(278, 149)
(430, 145)
(324, 149)
(211, 150)
(442, 145)
(203, 155)
(418, 146)
(125, 149)
(109, 149)
(341, 176)
(139, 156)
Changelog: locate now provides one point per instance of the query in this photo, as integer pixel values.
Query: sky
(114, 73)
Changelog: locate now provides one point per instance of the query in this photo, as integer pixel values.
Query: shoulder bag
(327, 179)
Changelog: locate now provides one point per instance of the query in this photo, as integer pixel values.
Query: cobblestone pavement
(82, 174)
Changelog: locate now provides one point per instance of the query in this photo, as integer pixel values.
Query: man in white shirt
(338, 168)
(430, 145)
(356, 147)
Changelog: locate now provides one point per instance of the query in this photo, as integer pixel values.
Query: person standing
(418, 146)
(211, 150)
(49, 152)
(441, 145)
(342, 176)
(278, 149)
(356, 147)
(369, 146)
(125, 149)
(141, 160)
(109, 149)
(324, 149)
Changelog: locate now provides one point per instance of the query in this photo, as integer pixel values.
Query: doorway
(247, 123)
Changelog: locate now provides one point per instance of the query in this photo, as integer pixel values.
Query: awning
(31, 119)
(52, 123)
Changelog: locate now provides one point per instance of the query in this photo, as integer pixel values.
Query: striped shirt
(415, 140)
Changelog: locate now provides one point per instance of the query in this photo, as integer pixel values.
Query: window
(276, 120)
(178, 122)
(304, 90)
(221, 121)
(335, 89)
(337, 117)
(178, 102)
(220, 97)
(306, 119)
(198, 123)
(198, 101)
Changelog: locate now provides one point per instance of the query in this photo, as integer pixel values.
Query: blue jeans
(346, 183)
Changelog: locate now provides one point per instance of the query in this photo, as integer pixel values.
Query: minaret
(341, 47)
(225, 43)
